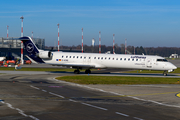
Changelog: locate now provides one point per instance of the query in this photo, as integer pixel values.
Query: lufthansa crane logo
(30, 47)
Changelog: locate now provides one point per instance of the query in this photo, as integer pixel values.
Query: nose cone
(174, 67)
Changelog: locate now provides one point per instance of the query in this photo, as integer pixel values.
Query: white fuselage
(95, 60)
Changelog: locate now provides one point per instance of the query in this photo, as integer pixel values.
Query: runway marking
(1, 101)
(122, 114)
(72, 100)
(120, 95)
(94, 106)
(56, 94)
(34, 87)
(55, 86)
(153, 94)
(44, 90)
(178, 95)
(137, 118)
(33, 117)
(19, 110)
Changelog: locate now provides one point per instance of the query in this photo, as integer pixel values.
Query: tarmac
(35, 95)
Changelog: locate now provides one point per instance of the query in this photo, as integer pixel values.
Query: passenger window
(62, 56)
(109, 58)
(105, 58)
(66, 56)
(101, 58)
(77, 56)
(98, 57)
(89, 57)
(124, 58)
(128, 59)
(112, 58)
(120, 58)
(94, 57)
(69, 56)
(136, 59)
(84, 57)
(81, 57)
(116, 58)
(132, 59)
(73, 56)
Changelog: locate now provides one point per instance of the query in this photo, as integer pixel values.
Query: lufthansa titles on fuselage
(139, 57)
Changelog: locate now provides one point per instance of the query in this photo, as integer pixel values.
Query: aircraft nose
(174, 67)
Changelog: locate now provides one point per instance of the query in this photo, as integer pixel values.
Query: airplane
(89, 61)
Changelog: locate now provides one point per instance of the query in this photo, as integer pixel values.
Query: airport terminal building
(12, 46)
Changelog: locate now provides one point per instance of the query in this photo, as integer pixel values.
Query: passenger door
(149, 63)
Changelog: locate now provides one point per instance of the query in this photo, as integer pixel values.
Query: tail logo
(30, 47)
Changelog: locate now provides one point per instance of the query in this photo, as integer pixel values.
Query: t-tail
(33, 52)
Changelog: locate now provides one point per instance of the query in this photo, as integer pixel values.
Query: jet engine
(45, 54)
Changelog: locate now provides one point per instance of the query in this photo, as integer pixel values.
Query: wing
(80, 65)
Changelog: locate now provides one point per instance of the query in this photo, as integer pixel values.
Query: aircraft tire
(76, 71)
(165, 73)
(88, 71)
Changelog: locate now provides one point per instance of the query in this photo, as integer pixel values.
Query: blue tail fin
(31, 49)
(29, 45)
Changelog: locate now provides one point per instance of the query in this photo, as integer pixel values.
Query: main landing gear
(76, 71)
(165, 73)
(88, 71)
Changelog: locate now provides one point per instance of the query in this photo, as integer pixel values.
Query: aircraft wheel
(76, 71)
(165, 73)
(88, 71)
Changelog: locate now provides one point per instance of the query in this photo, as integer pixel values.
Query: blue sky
(147, 23)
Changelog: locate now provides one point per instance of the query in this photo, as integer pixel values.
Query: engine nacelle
(45, 54)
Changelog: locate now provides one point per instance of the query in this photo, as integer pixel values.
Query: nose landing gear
(165, 73)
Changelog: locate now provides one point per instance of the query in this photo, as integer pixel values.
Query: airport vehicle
(27, 61)
(88, 61)
(10, 62)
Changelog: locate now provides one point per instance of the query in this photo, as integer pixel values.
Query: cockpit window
(162, 60)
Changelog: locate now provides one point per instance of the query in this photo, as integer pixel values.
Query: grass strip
(118, 80)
